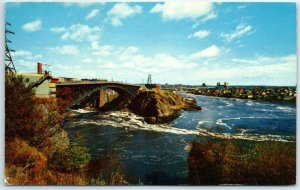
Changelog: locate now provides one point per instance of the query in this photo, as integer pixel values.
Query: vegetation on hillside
(37, 149)
(242, 162)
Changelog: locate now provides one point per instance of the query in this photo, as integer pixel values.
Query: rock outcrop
(160, 106)
(154, 106)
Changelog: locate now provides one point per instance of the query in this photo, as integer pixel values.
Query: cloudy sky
(182, 42)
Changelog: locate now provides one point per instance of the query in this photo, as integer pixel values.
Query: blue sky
(182, 42)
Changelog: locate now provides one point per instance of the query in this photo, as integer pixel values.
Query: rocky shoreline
(155, 106)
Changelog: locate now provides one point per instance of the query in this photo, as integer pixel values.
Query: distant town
(268, 93)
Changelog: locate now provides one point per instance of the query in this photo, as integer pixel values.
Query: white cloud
(210, 16)
(131, 50)
(38, 56)
(25, 61)
(121, 11)
(167, 61)
(128, 65)
(123, 54)
(64, 50)
(212, 51)
(199, 34)
(92, 14)
(182, 10)
(241, 7)
(137, 61)
(80, 32)
(32, 26)
(83, 4)
(87, 60)
(26, 55)
(109, 65)
(240, 31)
(130, 58)
(20, 53)
(132, 65)
(95, 45)
(58, 29)
(128, 53)
(243, 61)
(23, 65)
(104, 50)
(259, 70)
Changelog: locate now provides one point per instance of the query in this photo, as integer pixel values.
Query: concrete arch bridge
(84, 91)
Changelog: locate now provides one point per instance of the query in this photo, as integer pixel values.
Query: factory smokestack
(39, 68)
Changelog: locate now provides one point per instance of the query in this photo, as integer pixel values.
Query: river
(157, 154)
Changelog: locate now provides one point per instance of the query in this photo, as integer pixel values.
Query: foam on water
(243, 136)
(83, 111)
(221, 123)
(229, 104)
(285, 109)
(231, 118)
(203, 122)
(130, 121)
(250, 104)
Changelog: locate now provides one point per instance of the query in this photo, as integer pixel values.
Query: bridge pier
(102, 98)
(106, 96)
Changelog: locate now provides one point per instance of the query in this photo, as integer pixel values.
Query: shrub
(64, 98)
(25, 164)
(72, 159)
(107, 170)
(229, 162)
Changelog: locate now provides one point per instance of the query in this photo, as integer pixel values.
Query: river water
(157, 154)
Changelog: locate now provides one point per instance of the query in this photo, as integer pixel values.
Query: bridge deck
(95, 83)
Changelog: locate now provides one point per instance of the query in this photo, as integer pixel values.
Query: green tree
(72, 159)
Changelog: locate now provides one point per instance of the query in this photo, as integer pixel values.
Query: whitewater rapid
(130, 121)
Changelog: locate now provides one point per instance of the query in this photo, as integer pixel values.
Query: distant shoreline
(265, 100)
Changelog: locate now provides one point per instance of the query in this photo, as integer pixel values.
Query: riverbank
(273, 94)
(217, 162)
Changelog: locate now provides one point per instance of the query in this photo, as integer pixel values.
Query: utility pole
(9, 64)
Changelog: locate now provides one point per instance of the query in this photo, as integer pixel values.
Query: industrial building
(43, 84)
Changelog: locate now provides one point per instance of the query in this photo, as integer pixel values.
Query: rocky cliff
(160, 106)
(154, 106)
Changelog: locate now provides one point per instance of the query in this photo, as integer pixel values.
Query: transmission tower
(149, 80)
(9, 64)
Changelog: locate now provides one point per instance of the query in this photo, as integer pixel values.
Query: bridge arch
(91, 94)
(84, 92)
